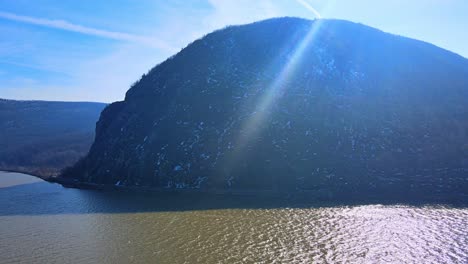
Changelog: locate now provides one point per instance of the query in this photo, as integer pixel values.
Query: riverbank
(302, 198)
(35, 174)
(345, 197)
(106, 187)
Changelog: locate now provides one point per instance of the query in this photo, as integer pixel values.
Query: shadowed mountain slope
(290, 104)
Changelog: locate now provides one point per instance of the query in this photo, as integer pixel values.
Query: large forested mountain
(291, 104)
(43, 137)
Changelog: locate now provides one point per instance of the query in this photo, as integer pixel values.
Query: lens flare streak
(252, 125)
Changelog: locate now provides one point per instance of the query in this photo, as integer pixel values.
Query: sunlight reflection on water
(331, 234)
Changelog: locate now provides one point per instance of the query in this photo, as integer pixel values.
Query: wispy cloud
(309, 7)
(30, 66)
(68, 26)
(105, 75)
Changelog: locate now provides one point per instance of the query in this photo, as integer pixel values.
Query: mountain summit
(290, 104)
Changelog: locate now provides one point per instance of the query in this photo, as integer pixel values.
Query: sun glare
(252, 126)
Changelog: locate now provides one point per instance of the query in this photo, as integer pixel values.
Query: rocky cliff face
(291, 104)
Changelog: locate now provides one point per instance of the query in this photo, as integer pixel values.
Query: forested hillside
(41, 137)
(291, 104)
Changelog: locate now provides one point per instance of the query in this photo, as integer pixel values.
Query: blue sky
(92, 50)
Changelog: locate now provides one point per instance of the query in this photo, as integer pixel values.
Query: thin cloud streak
(30, 66)
(309, 7)
(65, 25)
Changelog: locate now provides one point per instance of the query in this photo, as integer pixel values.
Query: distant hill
(291, 104)
(41, 137)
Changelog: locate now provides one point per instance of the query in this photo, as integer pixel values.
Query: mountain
(290, 104)
(41, 137)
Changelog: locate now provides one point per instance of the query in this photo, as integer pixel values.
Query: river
(42, 222)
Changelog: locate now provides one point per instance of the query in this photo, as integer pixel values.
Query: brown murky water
(45, 223)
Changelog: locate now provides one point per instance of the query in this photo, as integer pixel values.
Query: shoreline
(27, 173)
(145, 189)
(319, 196)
